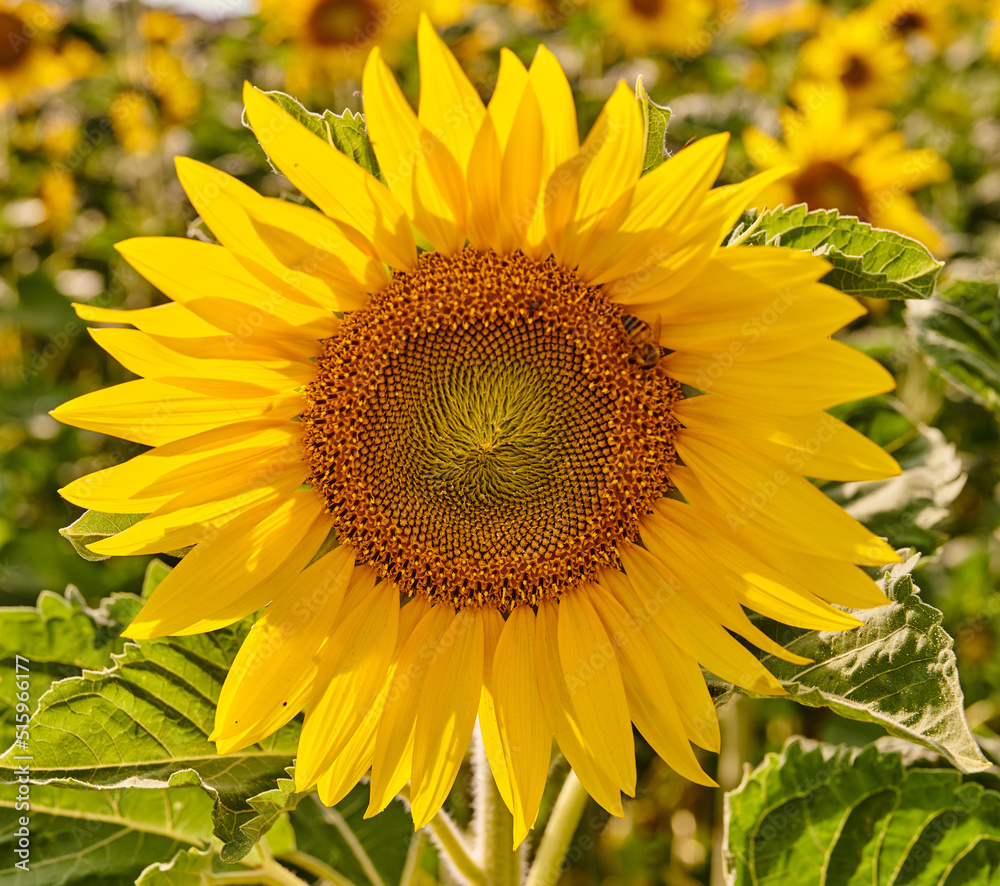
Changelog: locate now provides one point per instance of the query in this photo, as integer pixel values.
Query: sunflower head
(574, 430)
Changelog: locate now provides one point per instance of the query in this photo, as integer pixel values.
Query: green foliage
(106, 837)
(959, 333)
(857, 818)
(346, 132)
(904, 509)
(363, 850)
(897, 670)
(655, 119)
(867, 261)
(59, 637)
(145, 722)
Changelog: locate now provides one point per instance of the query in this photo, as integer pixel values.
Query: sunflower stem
(493, 823)
(547, 867)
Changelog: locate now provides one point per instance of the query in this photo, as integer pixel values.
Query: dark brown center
(828, 185)
(342, 22)
(486, 429)
(14, 41)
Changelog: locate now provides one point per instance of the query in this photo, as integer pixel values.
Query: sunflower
(859, 54)
(849, 161)
(928, 19)
(642, 25)
(763, 25)
(331, 38)
(470, 480)
(34, 56)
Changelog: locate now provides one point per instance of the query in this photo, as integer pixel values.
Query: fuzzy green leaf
(897, 670)
(859, 818)
(106, 837)
(959, 333)
(56, 638)
(145, 723)
(92, 527)
(867, 261)
(655, 119)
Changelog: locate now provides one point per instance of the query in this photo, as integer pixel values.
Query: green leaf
(904, 509)
(104, 837)
(867, 261)
(145, 723)
(93, 526)
(189, 867)
(156, 571)
(655, 119)
(346, 132)
(897, 670)
(269, 806)
(343, 839)
(959, 333)
(57, 638)
(859, 818)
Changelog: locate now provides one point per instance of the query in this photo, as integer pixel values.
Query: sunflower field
(499, 442)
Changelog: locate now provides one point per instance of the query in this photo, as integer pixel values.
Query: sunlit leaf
(866, 261)
(95, 525)
(959, 333)
(655, 119)
(897, 670)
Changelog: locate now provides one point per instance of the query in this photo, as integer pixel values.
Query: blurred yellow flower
(57, 190)
(331, 38)
(641, 25)
(179, 96)
(160, 26)
(133, 123)
(929, 19)
(773, 21)
(60, 135)
(857, 53)
(848, 161)
(34, 55)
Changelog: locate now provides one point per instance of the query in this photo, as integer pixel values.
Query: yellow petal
(164, 319)
(521, 176)
(196, 274)
(662, 201)
(607, 166)
(681, 672)
(701, 637)
(419, 171)
(815, 444)
(595, 773)
(650, 703)
(524, 731)
(152, 413)
(827, 374)
(484, 183)
(148, 481)
(511, 80)
(334, 182)
(351, 675)
(307, 242)
(595, 686)
(394, 743)
(221, 200)
(446, 715)
(762, 492)
(243, 567)
(450, 107)
(188, 520)
(271, 677)
(489, 726)
(150, 358)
